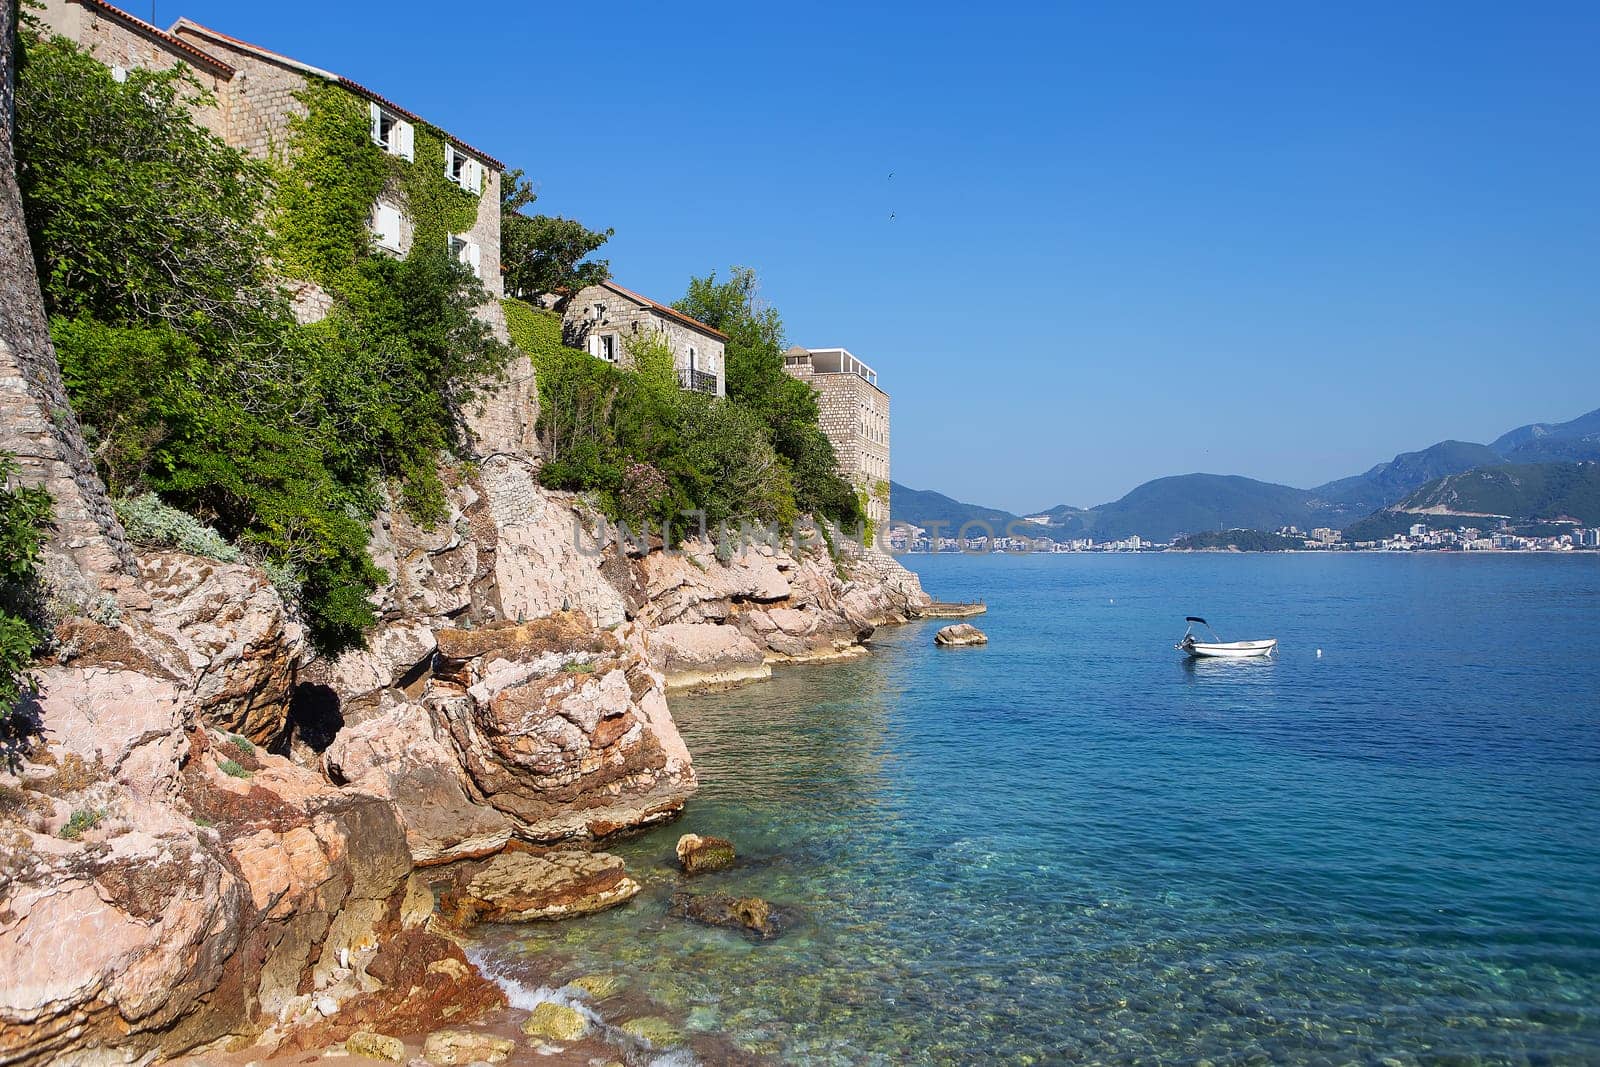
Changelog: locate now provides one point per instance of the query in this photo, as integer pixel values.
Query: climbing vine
(438, 207)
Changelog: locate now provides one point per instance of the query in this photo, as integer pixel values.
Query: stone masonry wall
(117, 44)
(36, 422)
(855, 416)
(626, 319)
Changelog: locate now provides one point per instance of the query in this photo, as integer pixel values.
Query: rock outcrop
(524, 886)
(962, 633)
(698, 854)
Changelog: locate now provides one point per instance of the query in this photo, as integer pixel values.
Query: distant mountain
(920, 507)
(1194, 503)
(1558, 440)
(1166, 508)
(1525, 492)
(1407, 472)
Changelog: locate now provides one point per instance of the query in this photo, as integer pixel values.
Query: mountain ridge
(1174, 505)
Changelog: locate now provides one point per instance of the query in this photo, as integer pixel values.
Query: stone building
(601, 319)
(250, 101)
(854, 415)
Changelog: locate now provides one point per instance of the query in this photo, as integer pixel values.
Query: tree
(545, 253)
(757, 381)
(24, 516)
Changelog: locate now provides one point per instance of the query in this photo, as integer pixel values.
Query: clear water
(1073, 845)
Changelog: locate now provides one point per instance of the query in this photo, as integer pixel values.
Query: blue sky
(1127, 240)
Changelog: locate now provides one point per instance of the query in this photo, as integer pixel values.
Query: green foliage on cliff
(178, 347)
(544, 253)
(24, 516)
(1241, 541)
(786, 406)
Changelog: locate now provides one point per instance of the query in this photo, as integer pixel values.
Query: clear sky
(1119, 240)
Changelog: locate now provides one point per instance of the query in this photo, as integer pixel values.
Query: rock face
(962, 633)
(548, 730)
(698, 655)
(520, 886)
(220, 892)
(697, 854)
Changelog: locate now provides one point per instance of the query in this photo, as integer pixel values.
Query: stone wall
(855, 416)
(130, 44)
(36, 422)
(626, 318)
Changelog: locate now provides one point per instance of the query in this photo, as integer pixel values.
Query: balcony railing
(698, 380)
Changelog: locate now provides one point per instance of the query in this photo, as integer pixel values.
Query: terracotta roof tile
(666, 309)
(353, 86)
(139, 25)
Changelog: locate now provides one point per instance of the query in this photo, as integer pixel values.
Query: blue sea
(1074, 845)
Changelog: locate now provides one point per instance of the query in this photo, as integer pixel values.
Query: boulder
(654, 1031)
(375, 1046)
(600, 986)
(522, 886)
(395, 653)
(465, 1046)
(555, 1022)
(405, 755)
(752, 915)
(697, 854)
(962, 633)
(703, 655)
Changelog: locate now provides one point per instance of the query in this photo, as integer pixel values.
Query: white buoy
(1319, 653)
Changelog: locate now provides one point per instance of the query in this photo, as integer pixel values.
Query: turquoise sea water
(1073, 845)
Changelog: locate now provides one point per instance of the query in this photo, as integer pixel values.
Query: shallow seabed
(1071, 845)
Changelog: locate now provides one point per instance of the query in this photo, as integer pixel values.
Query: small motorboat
(1218, 648)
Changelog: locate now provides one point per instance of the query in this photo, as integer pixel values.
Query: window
(467, 251)
(604, 346)
(390, 132)
(463, 170)
(386, 226)
(691, 359)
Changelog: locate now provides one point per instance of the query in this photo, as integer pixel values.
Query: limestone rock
(405, 755)
(557, 1022)
(697, 854)
(600, 986)
(695, 655)
(520, 886)
(375, 1046)
(962, 633)
(465, 1046)
(394, 653)
(654, 1031)
(749, 914)
(239, 647)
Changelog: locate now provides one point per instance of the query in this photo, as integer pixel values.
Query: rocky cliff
(220, 838)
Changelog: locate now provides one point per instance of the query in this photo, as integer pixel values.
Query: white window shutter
(408, 141)
(376, 114)
(475, 255)
(477, 177)
(450, 162)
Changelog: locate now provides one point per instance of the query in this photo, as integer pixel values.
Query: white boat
(1218, 648)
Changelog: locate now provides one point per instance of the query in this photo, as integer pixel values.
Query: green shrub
(148, 520)
(242, 744)
(233, 769)
(24, 517)
(80, 822)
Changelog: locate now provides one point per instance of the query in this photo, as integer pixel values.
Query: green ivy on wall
(438, 207)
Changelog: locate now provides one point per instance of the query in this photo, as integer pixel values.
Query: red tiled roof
(355, 87)
(140, 26)
(667, 310)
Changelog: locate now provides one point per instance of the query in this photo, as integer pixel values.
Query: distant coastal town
(1496, 535)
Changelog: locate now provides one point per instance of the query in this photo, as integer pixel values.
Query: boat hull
(1230, 649)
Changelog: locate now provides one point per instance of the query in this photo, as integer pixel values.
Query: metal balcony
(698, 381)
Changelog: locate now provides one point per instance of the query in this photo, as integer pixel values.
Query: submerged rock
(600, 986)
(558, 1022)
(464, 1046)
(654, 1031)
(962, 633)
(750, 914)
(697, 854)
(526, 887)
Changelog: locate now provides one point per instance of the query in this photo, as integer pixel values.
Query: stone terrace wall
(36, 421)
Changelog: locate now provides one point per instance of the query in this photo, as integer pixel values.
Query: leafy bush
(148, 520)
(233, 769)
(80, 822)
(24, 516)
(180, 354)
